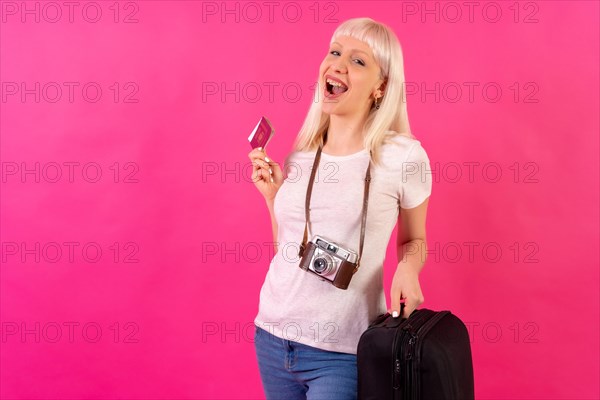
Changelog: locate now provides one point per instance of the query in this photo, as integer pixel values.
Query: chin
(330, 109)
(330, 106)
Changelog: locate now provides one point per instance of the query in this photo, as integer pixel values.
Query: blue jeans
(294, 371)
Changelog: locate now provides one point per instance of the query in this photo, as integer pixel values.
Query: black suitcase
(426, 356)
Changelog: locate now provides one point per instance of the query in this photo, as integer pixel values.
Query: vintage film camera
(329, 261)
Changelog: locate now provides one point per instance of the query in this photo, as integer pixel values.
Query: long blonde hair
(392, 114)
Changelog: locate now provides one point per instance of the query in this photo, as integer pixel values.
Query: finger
(396, 305)
(260, 159)
(400, 308)
(266, 175)
(256, 171)
(274, 165)
(407, 308)
(267, 160)
(256, 153)
(256, 174)
(277, 172)
(260, 163)
(259, 171)
(266, 167)
(256, 157)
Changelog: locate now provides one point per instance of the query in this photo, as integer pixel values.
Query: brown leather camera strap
(364, 208)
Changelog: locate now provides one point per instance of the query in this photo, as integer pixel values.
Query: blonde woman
(307, 330)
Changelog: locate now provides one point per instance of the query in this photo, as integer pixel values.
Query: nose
(340, 66)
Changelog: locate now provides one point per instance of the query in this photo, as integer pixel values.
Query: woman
(307, 330)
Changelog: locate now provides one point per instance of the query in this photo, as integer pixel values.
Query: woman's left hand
(405, 285)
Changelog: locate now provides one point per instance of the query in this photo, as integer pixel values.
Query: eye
(357, 60)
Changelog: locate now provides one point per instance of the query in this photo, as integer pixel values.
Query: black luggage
(426, 356)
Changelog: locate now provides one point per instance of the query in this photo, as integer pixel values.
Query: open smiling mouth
(334, 88)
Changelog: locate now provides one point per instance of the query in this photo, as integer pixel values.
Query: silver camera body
(329, 261)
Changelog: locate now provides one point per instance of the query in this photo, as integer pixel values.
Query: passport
(262, 134)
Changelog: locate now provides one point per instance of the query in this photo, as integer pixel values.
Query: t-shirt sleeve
(416, 178)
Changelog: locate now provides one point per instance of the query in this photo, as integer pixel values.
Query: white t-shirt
(300, 306)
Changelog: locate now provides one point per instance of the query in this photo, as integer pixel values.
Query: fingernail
(259, 148)
(270, 171)
(271, 179)
(267, 159)
(395, 314)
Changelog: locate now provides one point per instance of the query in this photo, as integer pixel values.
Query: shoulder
(399, 147)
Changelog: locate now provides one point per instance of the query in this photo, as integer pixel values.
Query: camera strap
(364, 208)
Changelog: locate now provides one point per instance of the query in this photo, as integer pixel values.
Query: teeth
(335, 83)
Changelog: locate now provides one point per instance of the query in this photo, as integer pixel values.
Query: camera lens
(320, 265)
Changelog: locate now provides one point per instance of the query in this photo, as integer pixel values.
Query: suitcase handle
(387, 319)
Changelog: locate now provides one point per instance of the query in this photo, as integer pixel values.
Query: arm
(267, 183)
(412, 237)
(273, 222)
(412, 254)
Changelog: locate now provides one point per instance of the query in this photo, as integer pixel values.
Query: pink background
(178, 322)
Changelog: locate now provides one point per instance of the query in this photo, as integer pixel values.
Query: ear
(380, 91)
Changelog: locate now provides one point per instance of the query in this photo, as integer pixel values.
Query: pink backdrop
(134, 244)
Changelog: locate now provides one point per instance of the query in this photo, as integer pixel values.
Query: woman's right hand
(266, 182)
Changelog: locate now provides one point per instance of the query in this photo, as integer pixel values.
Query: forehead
(350, 43)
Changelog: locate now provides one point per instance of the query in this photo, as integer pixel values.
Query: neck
(345, 135)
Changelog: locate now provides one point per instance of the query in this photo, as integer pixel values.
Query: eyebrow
(356, 50)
